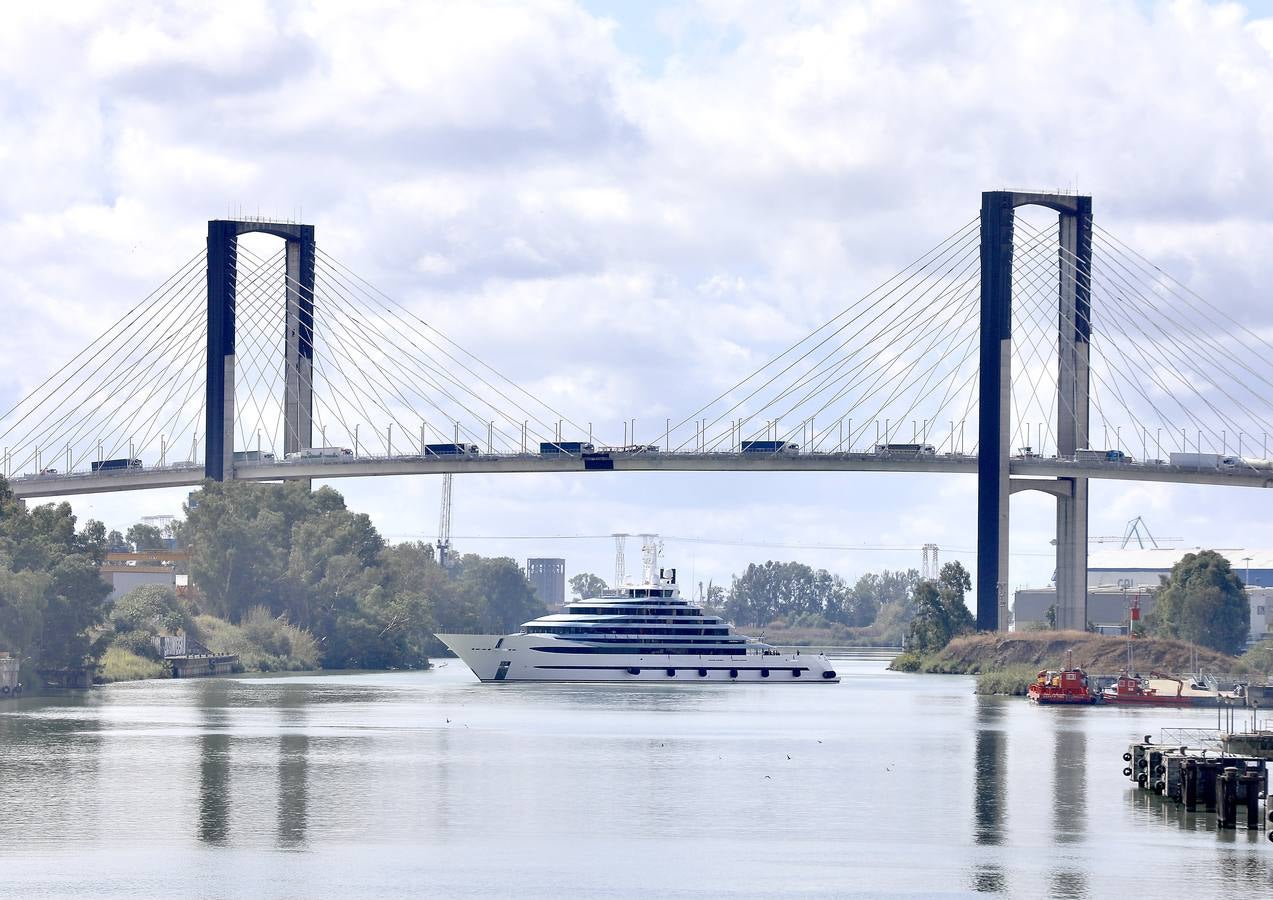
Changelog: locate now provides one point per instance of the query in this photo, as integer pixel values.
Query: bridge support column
(219, 406)
(1073, 408)
(298, 401)
(994, 410)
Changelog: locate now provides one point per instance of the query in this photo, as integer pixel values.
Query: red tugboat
(1157, 690)
(1068, 686)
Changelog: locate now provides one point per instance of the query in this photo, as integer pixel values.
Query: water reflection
(990, 790)
(49, 766)
(1069, 797)
(293, 771)
(214, 763)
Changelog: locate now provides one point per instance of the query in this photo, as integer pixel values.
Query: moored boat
(1159, 690)
(1067, 686)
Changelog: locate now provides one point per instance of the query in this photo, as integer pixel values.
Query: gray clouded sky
(625, 207)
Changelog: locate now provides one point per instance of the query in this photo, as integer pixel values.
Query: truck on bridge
(321, 453)
(450, 450)
(770, 447)
(906, 451)
(111, 465)
(253, 456)
(1116, 456)
(1204, 460)
(565, 448)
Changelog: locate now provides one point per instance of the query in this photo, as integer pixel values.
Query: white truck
(341, 453)
(1204, 460)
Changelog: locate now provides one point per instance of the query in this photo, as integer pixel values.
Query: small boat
(1158, 690)
(1068, 686)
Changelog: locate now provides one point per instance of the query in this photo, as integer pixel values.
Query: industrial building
(548, 578)
(124, 571)
(1115, 577)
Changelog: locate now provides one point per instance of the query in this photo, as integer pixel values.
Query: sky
(626, 207)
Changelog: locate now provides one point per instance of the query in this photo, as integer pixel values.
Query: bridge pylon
(998, 213)
(298, 399)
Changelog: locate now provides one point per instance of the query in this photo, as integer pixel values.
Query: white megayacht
(642, 631)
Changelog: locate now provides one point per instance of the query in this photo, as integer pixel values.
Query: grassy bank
(1012, 681)
(1098, 654)
(1007, 663)
(119, 664)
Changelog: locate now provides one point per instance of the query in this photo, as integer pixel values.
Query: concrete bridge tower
(298, 399)
(994, 486)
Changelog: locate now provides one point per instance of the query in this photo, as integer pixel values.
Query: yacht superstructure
(642, 631)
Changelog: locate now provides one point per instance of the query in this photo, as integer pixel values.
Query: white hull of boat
(513, 657)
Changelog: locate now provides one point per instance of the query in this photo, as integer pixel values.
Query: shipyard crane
(444, 524)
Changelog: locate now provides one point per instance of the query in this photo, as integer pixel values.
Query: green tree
(585, 585)
(1204, 602)
(52, 597)
(240, 537)
(497, 586)
(115, 542)
(940, 611)
(145, 537)
(153, 607)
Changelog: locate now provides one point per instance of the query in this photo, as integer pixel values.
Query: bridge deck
(185, 475)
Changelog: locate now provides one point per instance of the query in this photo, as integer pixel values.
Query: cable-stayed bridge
(1035, 354)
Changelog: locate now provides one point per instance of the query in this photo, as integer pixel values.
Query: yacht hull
(523, 657)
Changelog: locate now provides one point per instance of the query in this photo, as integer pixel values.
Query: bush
(262, 642)
(137, 642)
(119, 664)
(1012, 681)
(1259, 659)
(152, 607)
(910, 661)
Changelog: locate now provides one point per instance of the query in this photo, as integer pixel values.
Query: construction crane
(1136, 531)
(444, 524)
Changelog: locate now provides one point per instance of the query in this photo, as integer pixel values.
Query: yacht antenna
(620, 573)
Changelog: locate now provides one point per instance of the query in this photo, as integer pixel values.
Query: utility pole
(620, 573)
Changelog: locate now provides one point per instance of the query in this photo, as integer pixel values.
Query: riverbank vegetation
(283, 577)
(53, 602)
(1007, 663)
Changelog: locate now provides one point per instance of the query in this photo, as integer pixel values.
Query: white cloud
(628, 236)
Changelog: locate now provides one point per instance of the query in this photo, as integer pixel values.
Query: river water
(430, 784)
